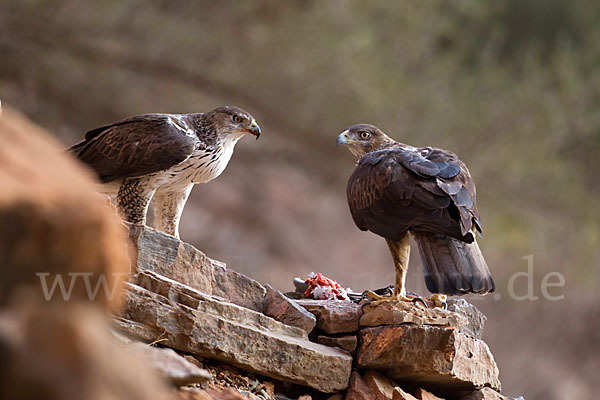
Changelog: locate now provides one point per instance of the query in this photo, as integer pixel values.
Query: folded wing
(421, 189)
(134, 147)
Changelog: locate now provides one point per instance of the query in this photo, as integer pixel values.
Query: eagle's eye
(364, 135)
(237, 119)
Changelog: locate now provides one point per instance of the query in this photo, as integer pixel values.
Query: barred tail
(453, 267)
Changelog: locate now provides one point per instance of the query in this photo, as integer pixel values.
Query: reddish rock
(434, 357)
(279, 307)
(334, 316)
(53, 225)
(381, 386)
(174, 259)
(348, 342)
(358, 390)
(484, 394)
(53, 222)
(400, 394)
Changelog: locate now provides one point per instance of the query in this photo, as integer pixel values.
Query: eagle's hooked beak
(254, 129)
(342, 139)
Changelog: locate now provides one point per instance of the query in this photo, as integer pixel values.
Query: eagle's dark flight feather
(133, 147)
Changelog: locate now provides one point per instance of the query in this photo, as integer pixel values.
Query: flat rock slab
(282, 309)
(401, 312)
(172, 366)
(334, 316)
(430, 356)
(186, 319)
(177, 260)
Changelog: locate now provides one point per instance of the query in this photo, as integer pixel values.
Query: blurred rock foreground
(185, 326)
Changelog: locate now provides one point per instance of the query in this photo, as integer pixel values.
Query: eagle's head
(361, 139)
(233, 122)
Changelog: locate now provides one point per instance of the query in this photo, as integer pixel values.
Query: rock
(53, 227)
(279, 307)
(193, 360)
(400, 312)
(358, 389)
(120, 338)
(66, 351)
(192, 394)
(475, 318)
(423, 394)
(305, 397)
(431, 356)
(348, 342)
(484, 394)
(186, 319)
(382, 388)
(334, 316)
(210, 394)
(58, 345)
(172, 366)
(227, 394)
(338, 396)
(294, 295)
(196, 300)
(174, 259)
(400, 394)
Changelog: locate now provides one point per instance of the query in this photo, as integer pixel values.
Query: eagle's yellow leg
(400, 253)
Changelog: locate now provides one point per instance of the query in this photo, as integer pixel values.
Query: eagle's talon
(418, 299)
(370, 294)
(439, 300)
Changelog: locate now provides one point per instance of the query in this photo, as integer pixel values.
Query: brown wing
(426, 189)
(134, 147)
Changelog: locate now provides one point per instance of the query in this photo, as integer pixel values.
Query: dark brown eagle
(397, 188)
(160, 157)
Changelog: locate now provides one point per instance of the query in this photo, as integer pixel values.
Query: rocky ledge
(181, 299)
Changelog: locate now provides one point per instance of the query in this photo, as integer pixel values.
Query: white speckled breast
(203, 166)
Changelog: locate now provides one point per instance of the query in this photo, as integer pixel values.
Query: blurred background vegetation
(512, 86)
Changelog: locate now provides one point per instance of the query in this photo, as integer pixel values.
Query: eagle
(159, 158)
(397, 189)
